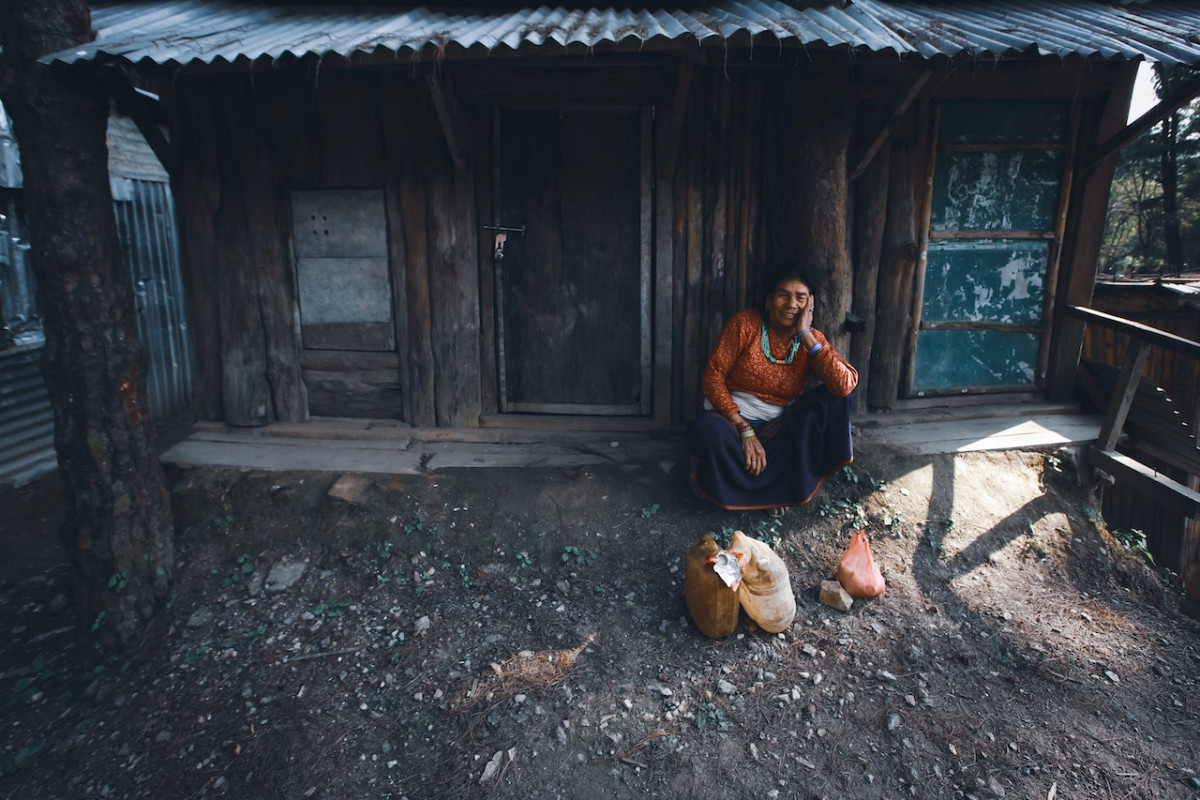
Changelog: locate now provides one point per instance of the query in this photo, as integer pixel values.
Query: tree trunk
(1172, 238)
(118, 522)
(824, 126)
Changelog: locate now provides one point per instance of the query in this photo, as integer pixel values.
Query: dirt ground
(522, 633)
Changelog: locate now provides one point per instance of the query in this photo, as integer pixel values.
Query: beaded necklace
(766, 347)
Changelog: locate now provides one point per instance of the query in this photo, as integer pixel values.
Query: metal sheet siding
(146, 229)
(208, 31)
(26, 418)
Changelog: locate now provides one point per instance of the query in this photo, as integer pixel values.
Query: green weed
(582, 558)
(710, 715)
(649, 511)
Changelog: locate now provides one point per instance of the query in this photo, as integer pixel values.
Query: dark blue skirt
(805, 445)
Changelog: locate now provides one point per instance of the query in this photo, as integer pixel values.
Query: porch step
(356, 446)
(970, 428)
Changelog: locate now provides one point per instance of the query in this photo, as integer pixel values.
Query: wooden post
(408, 240)
(871, 194)
(276, 295)
(1084, 230)
(1123, 393)
(244, 389)
(898, 263)
(197, 195)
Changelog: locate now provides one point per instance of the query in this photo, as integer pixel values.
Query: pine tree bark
(118, 525)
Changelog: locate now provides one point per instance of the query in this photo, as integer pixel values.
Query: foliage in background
(1154, 210)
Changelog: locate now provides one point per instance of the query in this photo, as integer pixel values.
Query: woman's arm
(729, 345)
(838, 375)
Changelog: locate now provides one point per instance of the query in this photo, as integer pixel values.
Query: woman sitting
(765, 442)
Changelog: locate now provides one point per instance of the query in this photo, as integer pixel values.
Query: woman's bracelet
(816, 348)
(748, 433)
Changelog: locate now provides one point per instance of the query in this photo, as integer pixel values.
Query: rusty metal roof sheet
(211, 31)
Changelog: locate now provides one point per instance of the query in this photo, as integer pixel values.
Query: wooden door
(573, 289)
(995, 220)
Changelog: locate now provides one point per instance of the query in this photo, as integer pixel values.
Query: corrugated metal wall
(147, 232)
(26, 421)
(146, 229)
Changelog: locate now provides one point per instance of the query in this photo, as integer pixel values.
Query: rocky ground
(521, 633)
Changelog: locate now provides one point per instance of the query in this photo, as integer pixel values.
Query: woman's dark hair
(787, 271)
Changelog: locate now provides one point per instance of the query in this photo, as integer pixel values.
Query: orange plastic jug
(712, 603)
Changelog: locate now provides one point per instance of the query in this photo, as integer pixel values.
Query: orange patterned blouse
(737, 364)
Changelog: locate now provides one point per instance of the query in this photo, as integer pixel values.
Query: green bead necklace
(766, 347)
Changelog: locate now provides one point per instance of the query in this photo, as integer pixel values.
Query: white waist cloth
(752, 409)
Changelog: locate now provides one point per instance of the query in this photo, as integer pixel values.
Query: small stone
(564, 588)
(422, 624)
(285, 573)
(725, 687)
(893, 721)
(200, 617)
(351, 489)
(884, 675)
(995, 787)
(808, 650)
(1112, 676)
(834, 596)
(492, 768)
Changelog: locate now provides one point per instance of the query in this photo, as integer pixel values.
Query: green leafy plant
(935, 532)
(769, 531)
(649, 511)
(330, 608)
(256, 634)
(27, 677)
(118, 580)
(464, 577)
(242, 567)
(524, 560)
(1134, 541)
(852, 510)
(417, 525)
(710, 715)
(196, 653)
(582, 558)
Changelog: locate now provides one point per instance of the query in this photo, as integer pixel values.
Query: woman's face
(786, 304)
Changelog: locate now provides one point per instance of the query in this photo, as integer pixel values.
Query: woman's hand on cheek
(806, 317)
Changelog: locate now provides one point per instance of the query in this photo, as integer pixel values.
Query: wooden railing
(1161, 433)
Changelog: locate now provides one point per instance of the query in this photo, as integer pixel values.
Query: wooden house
(507, 215)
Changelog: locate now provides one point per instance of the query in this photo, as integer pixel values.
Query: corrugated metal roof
(210, 31)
